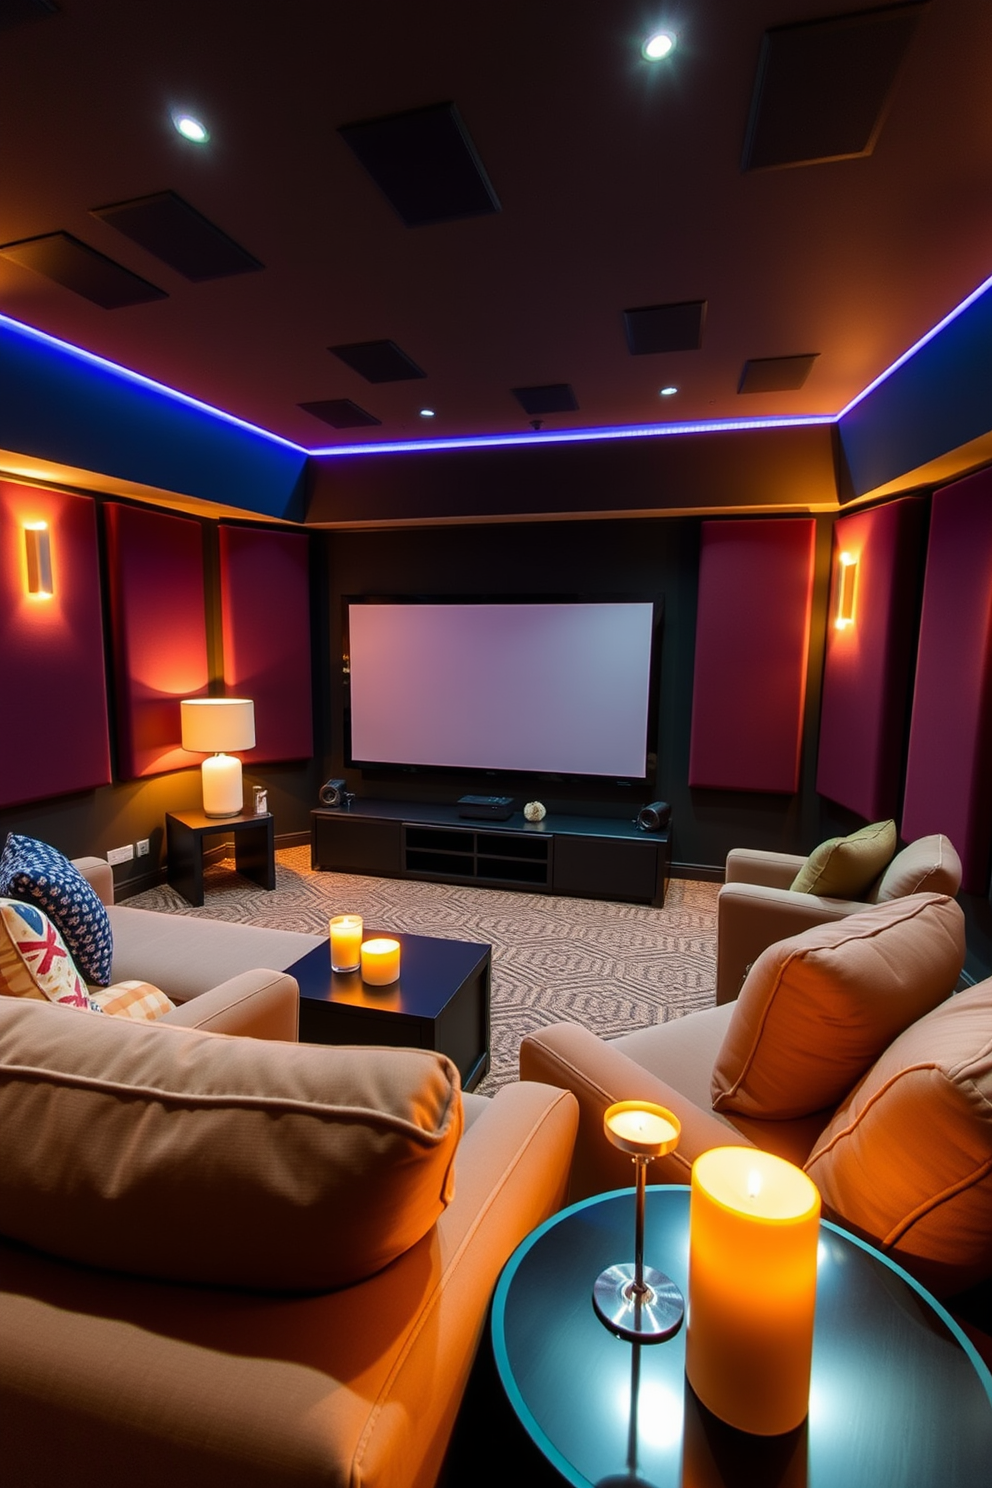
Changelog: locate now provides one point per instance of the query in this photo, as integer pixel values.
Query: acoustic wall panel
(160, 641)
(752, 639)
(54, 738)
(868, 666)
(949, 765)
(265, 613)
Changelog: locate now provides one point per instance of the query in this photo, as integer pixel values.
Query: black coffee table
(899, 1397)
(441, 1001)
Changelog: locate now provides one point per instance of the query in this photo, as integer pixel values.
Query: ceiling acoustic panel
(67, 261)
(340, 413)
(555, 397)
(776, 374)
(822, 87)
(425, 164)
(378, 361)
(655, 328)
(175, 232)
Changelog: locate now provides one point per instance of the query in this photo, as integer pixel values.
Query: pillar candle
(754, 1223)
(346, 941)
(380, 962)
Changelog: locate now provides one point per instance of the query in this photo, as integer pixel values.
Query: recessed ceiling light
(427, 413)
(667, 392)
(191, 128)
(659, 45)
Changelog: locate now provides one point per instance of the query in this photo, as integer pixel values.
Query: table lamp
(636, 1301)
(213, 726)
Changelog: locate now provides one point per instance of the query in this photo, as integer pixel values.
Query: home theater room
(496, 596)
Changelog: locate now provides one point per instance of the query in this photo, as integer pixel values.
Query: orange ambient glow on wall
(38, 552)
(847, 583)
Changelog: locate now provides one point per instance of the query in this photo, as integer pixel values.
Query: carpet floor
(612, 967)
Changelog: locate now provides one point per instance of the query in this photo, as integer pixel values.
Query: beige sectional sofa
(245, 1262)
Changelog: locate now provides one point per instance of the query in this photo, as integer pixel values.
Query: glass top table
(899, 1398)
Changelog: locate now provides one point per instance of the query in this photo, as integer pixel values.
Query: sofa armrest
(752, 865)
(99, 875)
(598, 1074)
(259, 1004)
(751, 917)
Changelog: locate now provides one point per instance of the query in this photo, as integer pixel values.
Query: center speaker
(654, 818)
(332, 792)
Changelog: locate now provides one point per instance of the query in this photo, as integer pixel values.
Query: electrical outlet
(143, 848)
(120, 854)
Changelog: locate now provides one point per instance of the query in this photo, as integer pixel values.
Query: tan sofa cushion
(927, 866)
(181, 1155)
(907, 1159)
(816, 1009)
(846, 867)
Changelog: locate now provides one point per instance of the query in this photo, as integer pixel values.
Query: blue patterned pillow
(33, 871)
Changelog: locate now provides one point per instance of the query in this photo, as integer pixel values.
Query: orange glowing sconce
(38, 552)
(847, 582)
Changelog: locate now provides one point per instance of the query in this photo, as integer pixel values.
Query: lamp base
(648, 1317)
(222, 789)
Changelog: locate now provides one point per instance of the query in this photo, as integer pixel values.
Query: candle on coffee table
(346, 941)
(380, 962)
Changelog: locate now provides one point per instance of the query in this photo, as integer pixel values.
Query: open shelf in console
(471, 855)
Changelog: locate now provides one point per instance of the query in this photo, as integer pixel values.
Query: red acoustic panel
(265, 610)
(160, 641)
(54, 737)
(752, 640)
(949, 765)
(867, 670)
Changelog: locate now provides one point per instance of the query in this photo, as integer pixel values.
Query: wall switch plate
(120, 854)
(143, 848)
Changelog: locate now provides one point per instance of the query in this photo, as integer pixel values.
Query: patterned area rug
(612, 967)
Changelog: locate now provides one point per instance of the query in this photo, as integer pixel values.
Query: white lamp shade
(213, 725)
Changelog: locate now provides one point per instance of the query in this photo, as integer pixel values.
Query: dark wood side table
(254, 849)
(899, 1397)
(441, 1001)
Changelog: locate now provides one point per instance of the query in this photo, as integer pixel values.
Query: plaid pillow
(33, 871)
(34, 961)
(132, 1000)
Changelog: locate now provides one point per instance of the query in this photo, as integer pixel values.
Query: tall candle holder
(637, 1301)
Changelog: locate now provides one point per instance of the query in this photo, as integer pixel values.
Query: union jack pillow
(33, 871)
(34, 959)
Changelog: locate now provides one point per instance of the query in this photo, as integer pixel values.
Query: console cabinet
(584, 856)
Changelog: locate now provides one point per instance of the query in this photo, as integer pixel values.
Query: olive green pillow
(846, 867)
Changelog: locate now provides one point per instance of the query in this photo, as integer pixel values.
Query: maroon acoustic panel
(160, 640)
(868, 665)
(265, 610)
(752, 640)
(54, 737)
(949, 764)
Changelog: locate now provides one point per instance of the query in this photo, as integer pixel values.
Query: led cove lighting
(661, 44)
(191, 128)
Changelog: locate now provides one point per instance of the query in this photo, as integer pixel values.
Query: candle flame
(753, 1184)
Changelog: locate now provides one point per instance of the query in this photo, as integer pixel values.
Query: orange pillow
(907, 1158)
(816, 1009)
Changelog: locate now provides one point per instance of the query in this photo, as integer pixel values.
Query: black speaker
(654, 818)
(332, 792)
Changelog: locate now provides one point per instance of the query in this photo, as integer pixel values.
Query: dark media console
(588, 857)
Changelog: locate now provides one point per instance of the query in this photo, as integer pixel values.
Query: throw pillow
(846, 867)
(907, 1159)
(132, 999)
(34, 960)
(234, 1162)
(816, 1009)
(927, 866)
(32, 870)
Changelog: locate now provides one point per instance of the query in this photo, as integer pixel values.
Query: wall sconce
(38, 552)
(212, 726)
(847, 579)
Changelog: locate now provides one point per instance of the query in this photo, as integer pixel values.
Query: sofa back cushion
(929, 865)
(907, 1158)
(816, 1009)
(846, 867)
(197, 1157)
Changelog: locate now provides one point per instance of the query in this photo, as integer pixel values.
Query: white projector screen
(560, 687)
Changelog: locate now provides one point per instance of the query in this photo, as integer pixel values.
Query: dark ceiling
(589, 183)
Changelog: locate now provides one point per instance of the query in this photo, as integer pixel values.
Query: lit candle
(754, 1223)
(380, 962)
(640, 1128)
(346, 942)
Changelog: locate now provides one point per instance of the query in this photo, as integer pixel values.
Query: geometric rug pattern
(612, 967)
